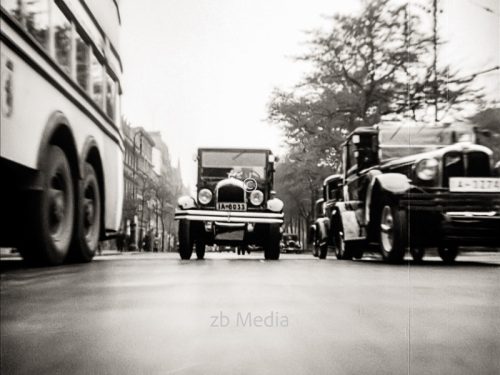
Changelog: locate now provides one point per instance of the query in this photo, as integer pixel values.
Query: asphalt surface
(156, 314)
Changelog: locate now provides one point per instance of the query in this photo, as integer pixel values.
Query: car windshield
(409, 139)
(238, 164)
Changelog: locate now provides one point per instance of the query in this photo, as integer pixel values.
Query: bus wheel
(185, 239)
(52, 220)
(89, 218)
(272, 243)
(200, 249)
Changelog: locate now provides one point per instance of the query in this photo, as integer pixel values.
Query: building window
(36, 20)
(96, 80)
(82, 62)
(110, 96)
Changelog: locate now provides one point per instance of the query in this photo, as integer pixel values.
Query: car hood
(438, 154)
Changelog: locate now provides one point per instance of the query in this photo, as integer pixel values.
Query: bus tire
(185, 239)
(88, 227)
(51, 223)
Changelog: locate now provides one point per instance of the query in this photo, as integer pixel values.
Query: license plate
(232, 206)
(475, 184)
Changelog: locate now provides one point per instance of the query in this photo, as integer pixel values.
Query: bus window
(14, 8)
(62, 39)
(110, 96)
(36, 13)
(96, 80)
(82, 62)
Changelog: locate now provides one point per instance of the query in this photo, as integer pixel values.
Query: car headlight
(256, 197)
(275, 205)
(426, 169)
(204, 196)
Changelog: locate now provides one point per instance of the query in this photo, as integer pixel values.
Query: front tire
(200, 250)
(185, 240)
(392, 231)
(272, 243)
(50, 227)
(323, 251)
(417, 253)
(343, 249)
(89, 218)
(448, 253)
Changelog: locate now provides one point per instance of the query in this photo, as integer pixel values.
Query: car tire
(52, 213)
(200, 250)
(417, 253)
(343, 249)
(88, 224)
(323, 251)
(272, 243)
(448, 253)
(392, 231)
(185, 239)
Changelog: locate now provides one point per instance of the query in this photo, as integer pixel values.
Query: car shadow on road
(434, 263)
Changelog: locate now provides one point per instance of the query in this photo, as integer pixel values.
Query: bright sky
(202, 71)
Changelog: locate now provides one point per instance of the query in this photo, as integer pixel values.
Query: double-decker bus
(61, 146)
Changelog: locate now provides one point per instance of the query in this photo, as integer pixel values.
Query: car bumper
(464, 218)
(230, 216)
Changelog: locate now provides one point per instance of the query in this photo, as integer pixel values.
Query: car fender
(348, 215)
(323, 227)
(393, 183)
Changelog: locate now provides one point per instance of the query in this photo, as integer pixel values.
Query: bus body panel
(32, 91)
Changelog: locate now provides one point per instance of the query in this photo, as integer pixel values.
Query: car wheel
(448, 253)
(52, 216)
(343, 249)
(185, 239)
(323, 251)
(272, 243)
(89, 218)
(392, 231)
(200, 250)
(417, 253)
(315, 250)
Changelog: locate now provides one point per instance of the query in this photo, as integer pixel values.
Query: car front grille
(470, 164)
(230, 193)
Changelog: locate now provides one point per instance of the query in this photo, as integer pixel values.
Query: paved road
(153, 314)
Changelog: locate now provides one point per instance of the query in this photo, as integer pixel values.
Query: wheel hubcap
(89, 218)
(58, 206)
(387, 229)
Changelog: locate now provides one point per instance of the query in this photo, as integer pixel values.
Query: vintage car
(319, 233)
(415, 186)
(235, 203)
(290, 243)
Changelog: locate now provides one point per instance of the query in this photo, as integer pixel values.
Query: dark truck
(414, 186)
(235, 203)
